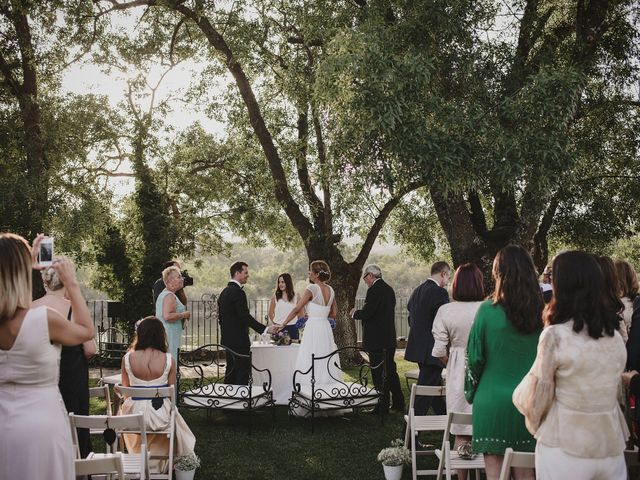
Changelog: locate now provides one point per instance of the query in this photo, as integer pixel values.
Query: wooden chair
(102, 392)
(135, 465)
(411, 375)
(422, 423)
(104, 465)
(516, 459)
(167, 394)
(450, 460)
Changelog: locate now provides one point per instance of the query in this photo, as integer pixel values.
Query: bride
(319, 300)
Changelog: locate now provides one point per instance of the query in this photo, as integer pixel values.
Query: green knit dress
(498, 358)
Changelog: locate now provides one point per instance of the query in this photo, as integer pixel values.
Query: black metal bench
(113, 343)
(308, 398)
(200, 382)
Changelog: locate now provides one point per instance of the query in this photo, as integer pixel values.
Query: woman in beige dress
(148, 364)
(450, 332)
(36, 438)
(570, 396)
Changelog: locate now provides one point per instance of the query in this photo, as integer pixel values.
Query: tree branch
(282, 192)
(477, 216)
(7, 73)
(379, 222)
(303, 171)
(322, 160)
(23, 33)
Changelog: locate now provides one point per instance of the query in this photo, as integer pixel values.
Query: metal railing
(203, 326)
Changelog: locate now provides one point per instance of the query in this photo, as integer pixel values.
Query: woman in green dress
(500, 351)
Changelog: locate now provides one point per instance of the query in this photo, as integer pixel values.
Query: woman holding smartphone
(74, 369)
(36, 439)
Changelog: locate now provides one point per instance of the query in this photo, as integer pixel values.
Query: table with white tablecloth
(280, 360)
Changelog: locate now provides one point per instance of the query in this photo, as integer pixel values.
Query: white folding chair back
(450, 460)
(411, 375)
(517, 460)
(135, 465)
(150, 393)
(105, 465)
(102, 392)
(422, 423)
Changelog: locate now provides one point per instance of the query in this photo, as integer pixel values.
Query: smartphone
(45, 255)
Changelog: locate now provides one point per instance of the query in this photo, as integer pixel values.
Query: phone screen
(46, 251)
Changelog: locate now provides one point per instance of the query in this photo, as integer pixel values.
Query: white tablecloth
(281, 362)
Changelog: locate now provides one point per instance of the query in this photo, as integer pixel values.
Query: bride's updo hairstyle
(320, 268)
(50, 277)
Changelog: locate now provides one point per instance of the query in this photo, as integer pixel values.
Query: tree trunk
(461, 229)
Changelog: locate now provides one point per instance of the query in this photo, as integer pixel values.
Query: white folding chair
(105, 465)
(150, 393)
(102, 392)
(135, 465)
(422, 423)
(516, 459)
(450, 460)
(411, 375)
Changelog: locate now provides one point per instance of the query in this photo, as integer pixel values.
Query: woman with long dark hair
(610, 291)
(282, 302)
(628, 289)
(149, 364)
(569, 398)
(500, 351)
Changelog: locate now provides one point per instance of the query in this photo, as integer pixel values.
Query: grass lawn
(340, 448)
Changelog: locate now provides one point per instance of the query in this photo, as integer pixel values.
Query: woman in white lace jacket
(570, 396)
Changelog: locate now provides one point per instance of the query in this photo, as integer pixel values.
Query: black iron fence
(203, 327)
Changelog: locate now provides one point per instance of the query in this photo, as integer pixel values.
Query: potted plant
(393, 459)
(186, 465)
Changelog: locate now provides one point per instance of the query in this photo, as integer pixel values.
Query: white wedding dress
(317, 339)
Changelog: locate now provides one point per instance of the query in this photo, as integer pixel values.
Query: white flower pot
(392, 472)
(187, 474)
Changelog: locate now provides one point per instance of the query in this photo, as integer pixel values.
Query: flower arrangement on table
(395, 455)
(281, 338)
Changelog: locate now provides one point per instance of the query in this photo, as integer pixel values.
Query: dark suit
(379, 339)
(235, 320)
(423, 306)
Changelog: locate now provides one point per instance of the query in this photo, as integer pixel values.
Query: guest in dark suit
(235, 320)
(423, 306)
(379, 335)
(159, 285)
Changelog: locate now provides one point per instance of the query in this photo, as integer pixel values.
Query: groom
(235, 320)
(379, 336)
